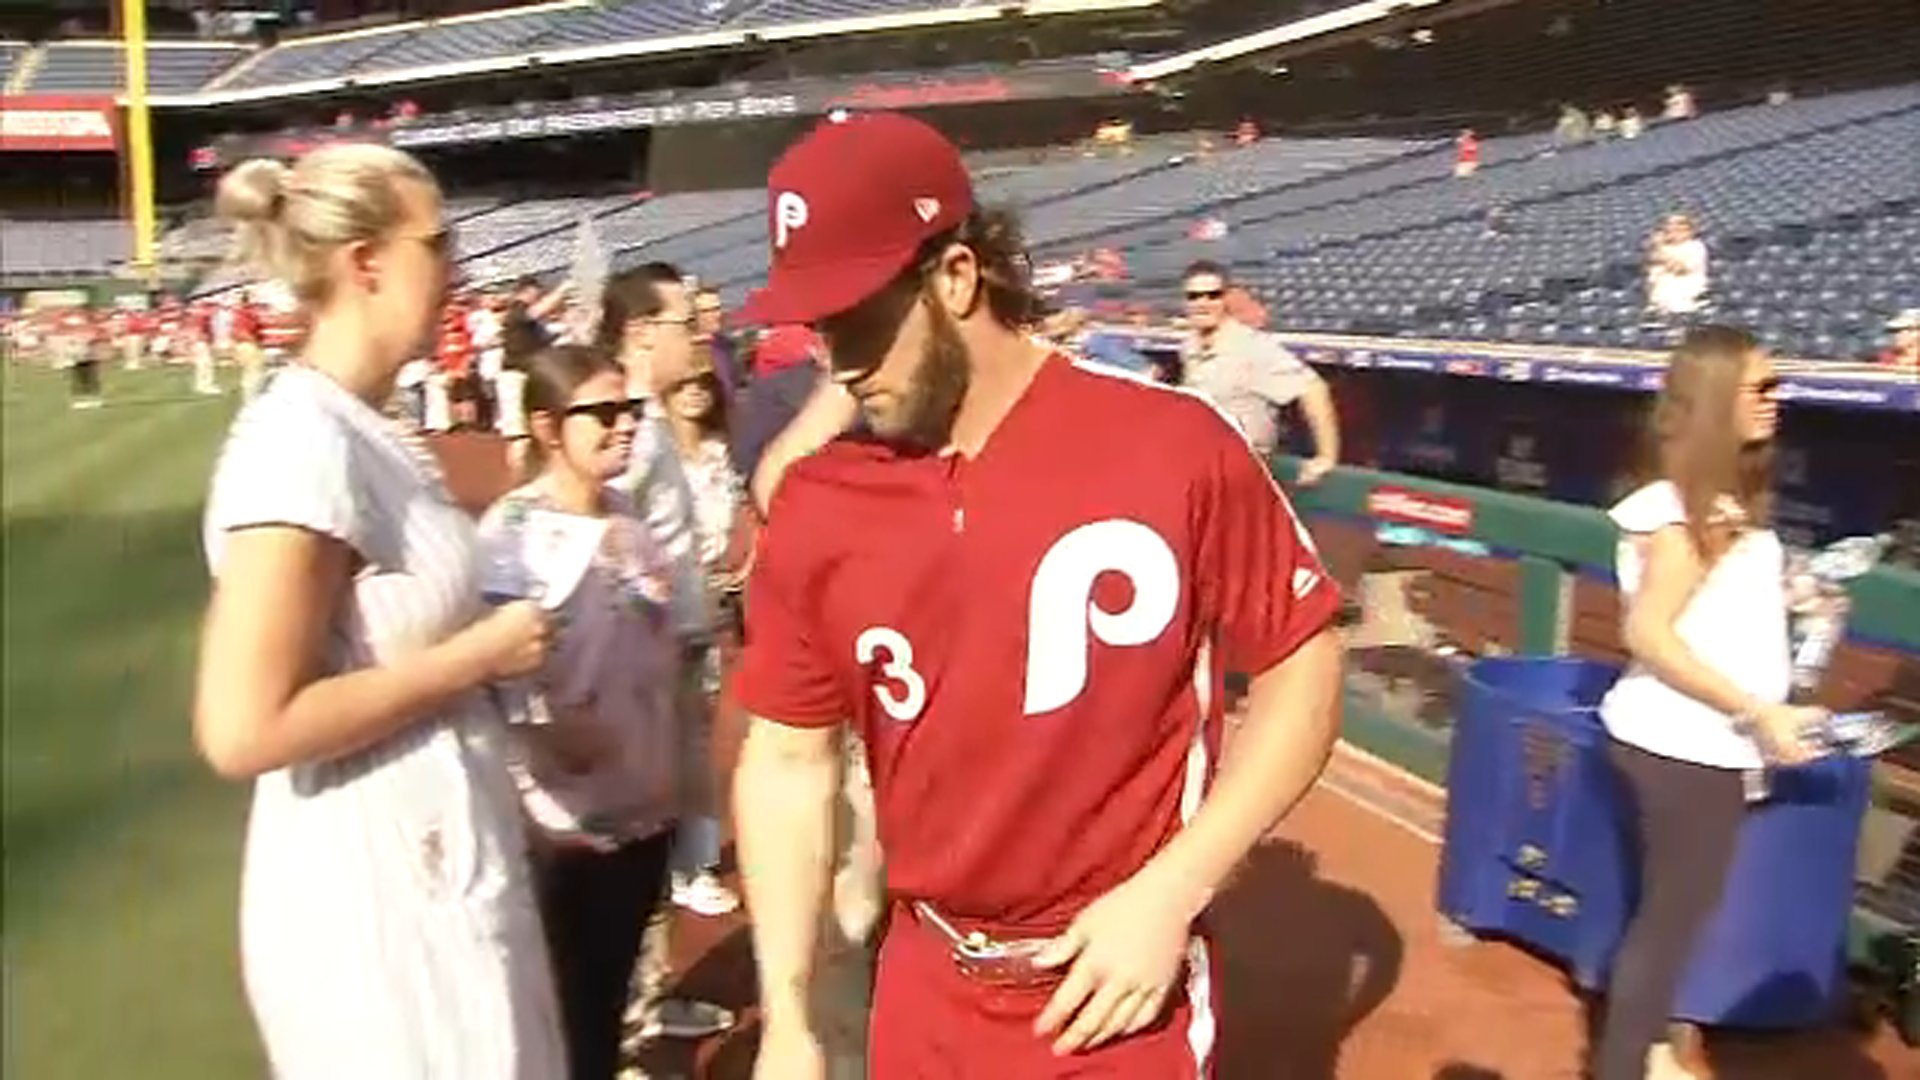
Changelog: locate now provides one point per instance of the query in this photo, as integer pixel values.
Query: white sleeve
(1649, 509)
(287, 462)
(1693, 258)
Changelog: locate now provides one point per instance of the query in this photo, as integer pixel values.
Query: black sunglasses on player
(608, 413)
(1205, 294)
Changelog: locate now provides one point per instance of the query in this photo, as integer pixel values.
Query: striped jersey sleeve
(287, 461)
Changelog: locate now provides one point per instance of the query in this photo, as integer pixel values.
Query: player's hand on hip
(1125, 949)
(789, 1051)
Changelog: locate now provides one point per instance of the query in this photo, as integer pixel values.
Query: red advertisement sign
(58, 123)
(1441, 513)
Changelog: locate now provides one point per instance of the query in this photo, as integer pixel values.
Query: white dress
(387, 924)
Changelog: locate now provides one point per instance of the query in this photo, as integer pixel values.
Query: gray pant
(1687, 820)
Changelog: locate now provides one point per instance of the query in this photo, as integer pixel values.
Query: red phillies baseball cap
(847, 209)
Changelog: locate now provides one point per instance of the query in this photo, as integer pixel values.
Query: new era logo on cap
(848, 208)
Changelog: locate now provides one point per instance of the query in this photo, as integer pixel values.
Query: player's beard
(927, 410)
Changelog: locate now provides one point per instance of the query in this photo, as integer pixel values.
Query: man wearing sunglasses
(1021, 585)
(646, 321)
(1249, 374)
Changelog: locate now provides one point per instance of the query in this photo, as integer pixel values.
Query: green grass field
(121, 849)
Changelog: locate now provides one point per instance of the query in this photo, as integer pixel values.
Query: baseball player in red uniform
(1022, 584)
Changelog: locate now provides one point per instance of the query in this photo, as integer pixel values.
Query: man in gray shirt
(1248, 373)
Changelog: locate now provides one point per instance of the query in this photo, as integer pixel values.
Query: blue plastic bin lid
(1543, 684)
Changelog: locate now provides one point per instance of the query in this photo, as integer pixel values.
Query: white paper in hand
(557, 550)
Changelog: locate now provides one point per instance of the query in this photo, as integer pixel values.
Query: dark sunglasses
(608, 413)
(705, 381)
(1205, 294)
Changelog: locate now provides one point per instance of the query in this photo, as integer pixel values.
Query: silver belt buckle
(990, 961)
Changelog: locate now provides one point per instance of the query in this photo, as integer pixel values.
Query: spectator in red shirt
(1466, 153)
(1904, 353)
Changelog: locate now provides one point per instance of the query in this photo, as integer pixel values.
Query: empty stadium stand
(1811, 211)
(545, 29)
(57, 248)
(99, 67)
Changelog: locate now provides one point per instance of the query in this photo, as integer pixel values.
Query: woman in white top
(1704, 698)
(597, 759)
(388, 928)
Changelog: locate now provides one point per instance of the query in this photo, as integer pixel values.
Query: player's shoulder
(1148, 409)
(846, 461)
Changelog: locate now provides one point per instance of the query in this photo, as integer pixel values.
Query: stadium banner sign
(674, 108)
(36, 300)
(1405, 506)
(58, 124)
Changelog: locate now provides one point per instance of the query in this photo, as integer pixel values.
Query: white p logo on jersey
(1061, 612)
(789, 214)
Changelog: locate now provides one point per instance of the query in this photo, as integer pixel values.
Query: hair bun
(253, 193)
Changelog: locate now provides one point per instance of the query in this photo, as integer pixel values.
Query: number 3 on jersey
(1063, 622)
(903, 694)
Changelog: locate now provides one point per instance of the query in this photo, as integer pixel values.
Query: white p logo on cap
(789, 213)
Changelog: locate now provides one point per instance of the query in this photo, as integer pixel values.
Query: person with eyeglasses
(647, 321)
(595, 759)
(1248, 374)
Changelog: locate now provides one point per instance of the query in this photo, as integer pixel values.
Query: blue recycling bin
(1533, 847)
(1775, 953)
(1537, 850)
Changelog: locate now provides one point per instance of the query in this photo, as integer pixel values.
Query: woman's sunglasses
(440, 241)
(1205, 294)
(608, 413)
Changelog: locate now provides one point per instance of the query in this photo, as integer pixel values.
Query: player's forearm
(784, 791)
(828, 412)
(1322, 420)
(1291, 723)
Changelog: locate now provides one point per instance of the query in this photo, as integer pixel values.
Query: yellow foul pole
(139, 136)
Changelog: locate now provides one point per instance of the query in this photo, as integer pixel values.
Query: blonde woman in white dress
(388, 928)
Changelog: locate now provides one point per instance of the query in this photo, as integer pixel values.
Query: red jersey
(1032, 641)
(246, 324)
(281, 330)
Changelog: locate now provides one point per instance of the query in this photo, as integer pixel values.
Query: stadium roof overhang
(1312, 31)
(547, 60)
